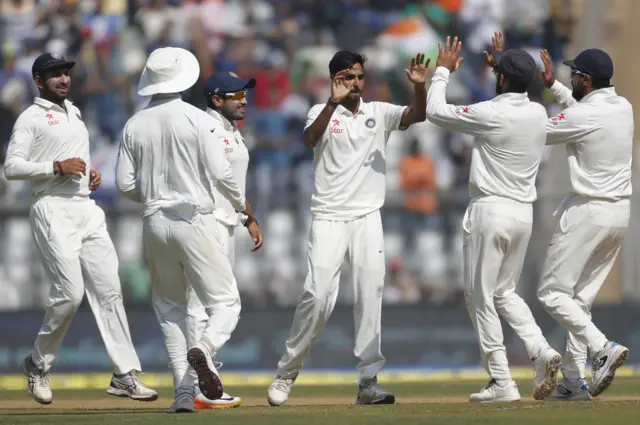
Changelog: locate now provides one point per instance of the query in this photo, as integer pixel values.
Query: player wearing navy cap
(226, 97)
(49, 146)
(597, 129)
(509, 137)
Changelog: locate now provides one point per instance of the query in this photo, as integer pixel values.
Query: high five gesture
(448, 57)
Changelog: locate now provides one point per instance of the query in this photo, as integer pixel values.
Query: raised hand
(448, 57)
(418, 70)
(340, 88)
(498, 45)
(547, 75)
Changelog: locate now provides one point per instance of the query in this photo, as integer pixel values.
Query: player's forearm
(313, 133)
(231, 191)
(130, 189)
(16, 168)
(417, 111)
(228, 187)
(126, 180)
(562, 94)
(438, 112)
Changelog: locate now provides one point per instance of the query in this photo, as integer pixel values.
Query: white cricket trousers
(180, 254)
(496, 236)
(77, 254)
(197, 316)
(583, 249)
(361, 242)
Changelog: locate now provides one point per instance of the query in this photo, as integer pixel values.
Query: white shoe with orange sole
(224, 402)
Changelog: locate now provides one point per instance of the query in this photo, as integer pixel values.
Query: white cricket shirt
(598, 132)
(350, 160)
(509, 137)
(231, 141)
(46, 132)
(171, 145)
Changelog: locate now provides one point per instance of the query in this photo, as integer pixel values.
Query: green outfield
(443, 402)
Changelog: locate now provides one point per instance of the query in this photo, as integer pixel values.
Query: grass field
(417, 403)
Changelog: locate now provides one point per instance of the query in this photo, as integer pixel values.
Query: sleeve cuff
(556, 86)
(242, 205)
(48, 169)
(442, 71)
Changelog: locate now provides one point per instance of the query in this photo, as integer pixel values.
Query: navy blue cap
(227, 82)
(48, 61)
(517, 65)
(593, 62)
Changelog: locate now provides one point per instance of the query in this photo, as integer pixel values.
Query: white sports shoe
(224, 402)
(182, 404)
(208, 380)
(278, 392)
(128, 385)
(570, 390)
(545, 367)
(38, 380)
(493, 393)
(370, 392)
(604, 365)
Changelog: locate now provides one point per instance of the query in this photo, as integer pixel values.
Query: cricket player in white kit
(226, 96)
(509, 137)
(349, 138)
(170, 146)
(597, 128)
(49, 146)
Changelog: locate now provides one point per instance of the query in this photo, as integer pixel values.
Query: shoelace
(369, 383)
(38, 377)
(130, 382)
(283, 384)
(39, 380)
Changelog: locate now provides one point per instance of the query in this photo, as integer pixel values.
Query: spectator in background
(418, 181)
(559, 27)
(400, 287)
(272, 155)
(19, 18)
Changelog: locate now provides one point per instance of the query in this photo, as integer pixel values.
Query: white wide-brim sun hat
(168, 70)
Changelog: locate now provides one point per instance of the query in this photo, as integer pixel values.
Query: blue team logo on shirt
(370, 123)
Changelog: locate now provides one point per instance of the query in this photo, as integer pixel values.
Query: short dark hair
(345, 59)
(513, 87)
(598, 83)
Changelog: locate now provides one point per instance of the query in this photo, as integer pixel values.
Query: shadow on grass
(21, 412)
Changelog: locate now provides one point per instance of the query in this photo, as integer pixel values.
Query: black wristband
(332, 102)
(249, 221)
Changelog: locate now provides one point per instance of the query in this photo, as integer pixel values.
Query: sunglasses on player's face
(235, 96)
(350, 77)
(576, 72)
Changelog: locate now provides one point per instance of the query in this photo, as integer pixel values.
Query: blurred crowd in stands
(286, 45)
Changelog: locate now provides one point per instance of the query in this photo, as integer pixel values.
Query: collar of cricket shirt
(607, 91)
(510, 97)
(48, 104)
(221, 119)
(344, 111)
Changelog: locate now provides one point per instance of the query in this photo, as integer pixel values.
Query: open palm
(418, 70)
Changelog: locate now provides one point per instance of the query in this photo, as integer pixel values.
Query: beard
(232, 114)
(578, 93)
(52, 94)
(499, 89)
